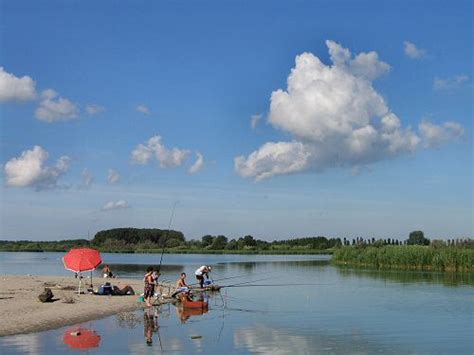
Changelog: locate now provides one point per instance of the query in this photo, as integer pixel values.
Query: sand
(22, 312)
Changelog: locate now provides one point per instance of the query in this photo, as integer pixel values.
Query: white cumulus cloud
(274, 159)
(143, 109)
(30, 170)
(198, 164)
(412, 51)
(154, 148)
(335, 116)
(13, 88)
(113, 176)
(115, 205)
(54, 108)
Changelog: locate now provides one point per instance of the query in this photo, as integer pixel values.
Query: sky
(278, 119)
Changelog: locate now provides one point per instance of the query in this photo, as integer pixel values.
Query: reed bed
(413, 257)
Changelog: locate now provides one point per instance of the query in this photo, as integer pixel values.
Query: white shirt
(200, 271)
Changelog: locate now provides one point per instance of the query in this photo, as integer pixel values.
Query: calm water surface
(324, 309)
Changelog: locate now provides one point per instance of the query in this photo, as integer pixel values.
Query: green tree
(417, 238)
(207, 240)
(219, 242)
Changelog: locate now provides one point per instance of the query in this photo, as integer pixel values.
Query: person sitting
(202, 272)
(107, 272)
(181, 285)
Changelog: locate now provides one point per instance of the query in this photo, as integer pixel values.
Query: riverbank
(22, 312)
(407, 257)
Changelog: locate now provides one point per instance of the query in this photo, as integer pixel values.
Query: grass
(411, 257)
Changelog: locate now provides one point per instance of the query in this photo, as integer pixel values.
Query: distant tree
(232, 245)
(207, 240)
(417, 238)
(219, 242)
(249, 241)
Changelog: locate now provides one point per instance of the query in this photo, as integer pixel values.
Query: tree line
(155, 240)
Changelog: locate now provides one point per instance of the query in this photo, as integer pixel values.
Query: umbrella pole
(91, 280)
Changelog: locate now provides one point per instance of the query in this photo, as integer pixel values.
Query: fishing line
(246, 282)
(277, 285)
(167, 234)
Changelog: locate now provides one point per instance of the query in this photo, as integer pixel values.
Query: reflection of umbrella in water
(81, 338)
(81, 260)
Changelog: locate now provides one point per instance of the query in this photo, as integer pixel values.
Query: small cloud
(254, 120)
(30, 170)
(412, 51)
(198, 164)
(154, 147)
(87, 178)
(54, 108)
(93, 109)
(115, 205)
(13, 88)
(143, 109)
(434, 135)
(113, 176)
(450, 83)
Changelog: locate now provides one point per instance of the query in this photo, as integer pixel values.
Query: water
(327, 310)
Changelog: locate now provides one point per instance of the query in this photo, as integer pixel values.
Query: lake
(320, 309)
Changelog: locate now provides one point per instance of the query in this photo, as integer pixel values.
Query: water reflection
(272, 340)
(150, 322)
(81, 338)
(188, 307)
(406, 277)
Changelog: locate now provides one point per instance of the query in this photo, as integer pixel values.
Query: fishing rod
(224, 278)
(245, 283)
(167, 234)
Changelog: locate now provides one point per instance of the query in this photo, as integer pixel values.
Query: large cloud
(154, 148)
(336, 118)
(13, 88)
(54, 108)
(29, 170)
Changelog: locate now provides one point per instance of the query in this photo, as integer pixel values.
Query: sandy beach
(22, 312)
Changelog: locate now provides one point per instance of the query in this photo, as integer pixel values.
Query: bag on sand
(46, 296)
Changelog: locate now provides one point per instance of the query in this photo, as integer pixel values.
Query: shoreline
(21, 311)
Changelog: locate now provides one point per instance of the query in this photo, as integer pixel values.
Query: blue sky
(200, 71)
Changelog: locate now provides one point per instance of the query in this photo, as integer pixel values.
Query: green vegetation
(438, 256)
(133, 240)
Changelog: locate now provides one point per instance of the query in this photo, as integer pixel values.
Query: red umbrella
(81, 338)
(83, 259)
(80, 260)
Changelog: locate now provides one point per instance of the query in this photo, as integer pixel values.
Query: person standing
(149, 286)
(202, 272)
